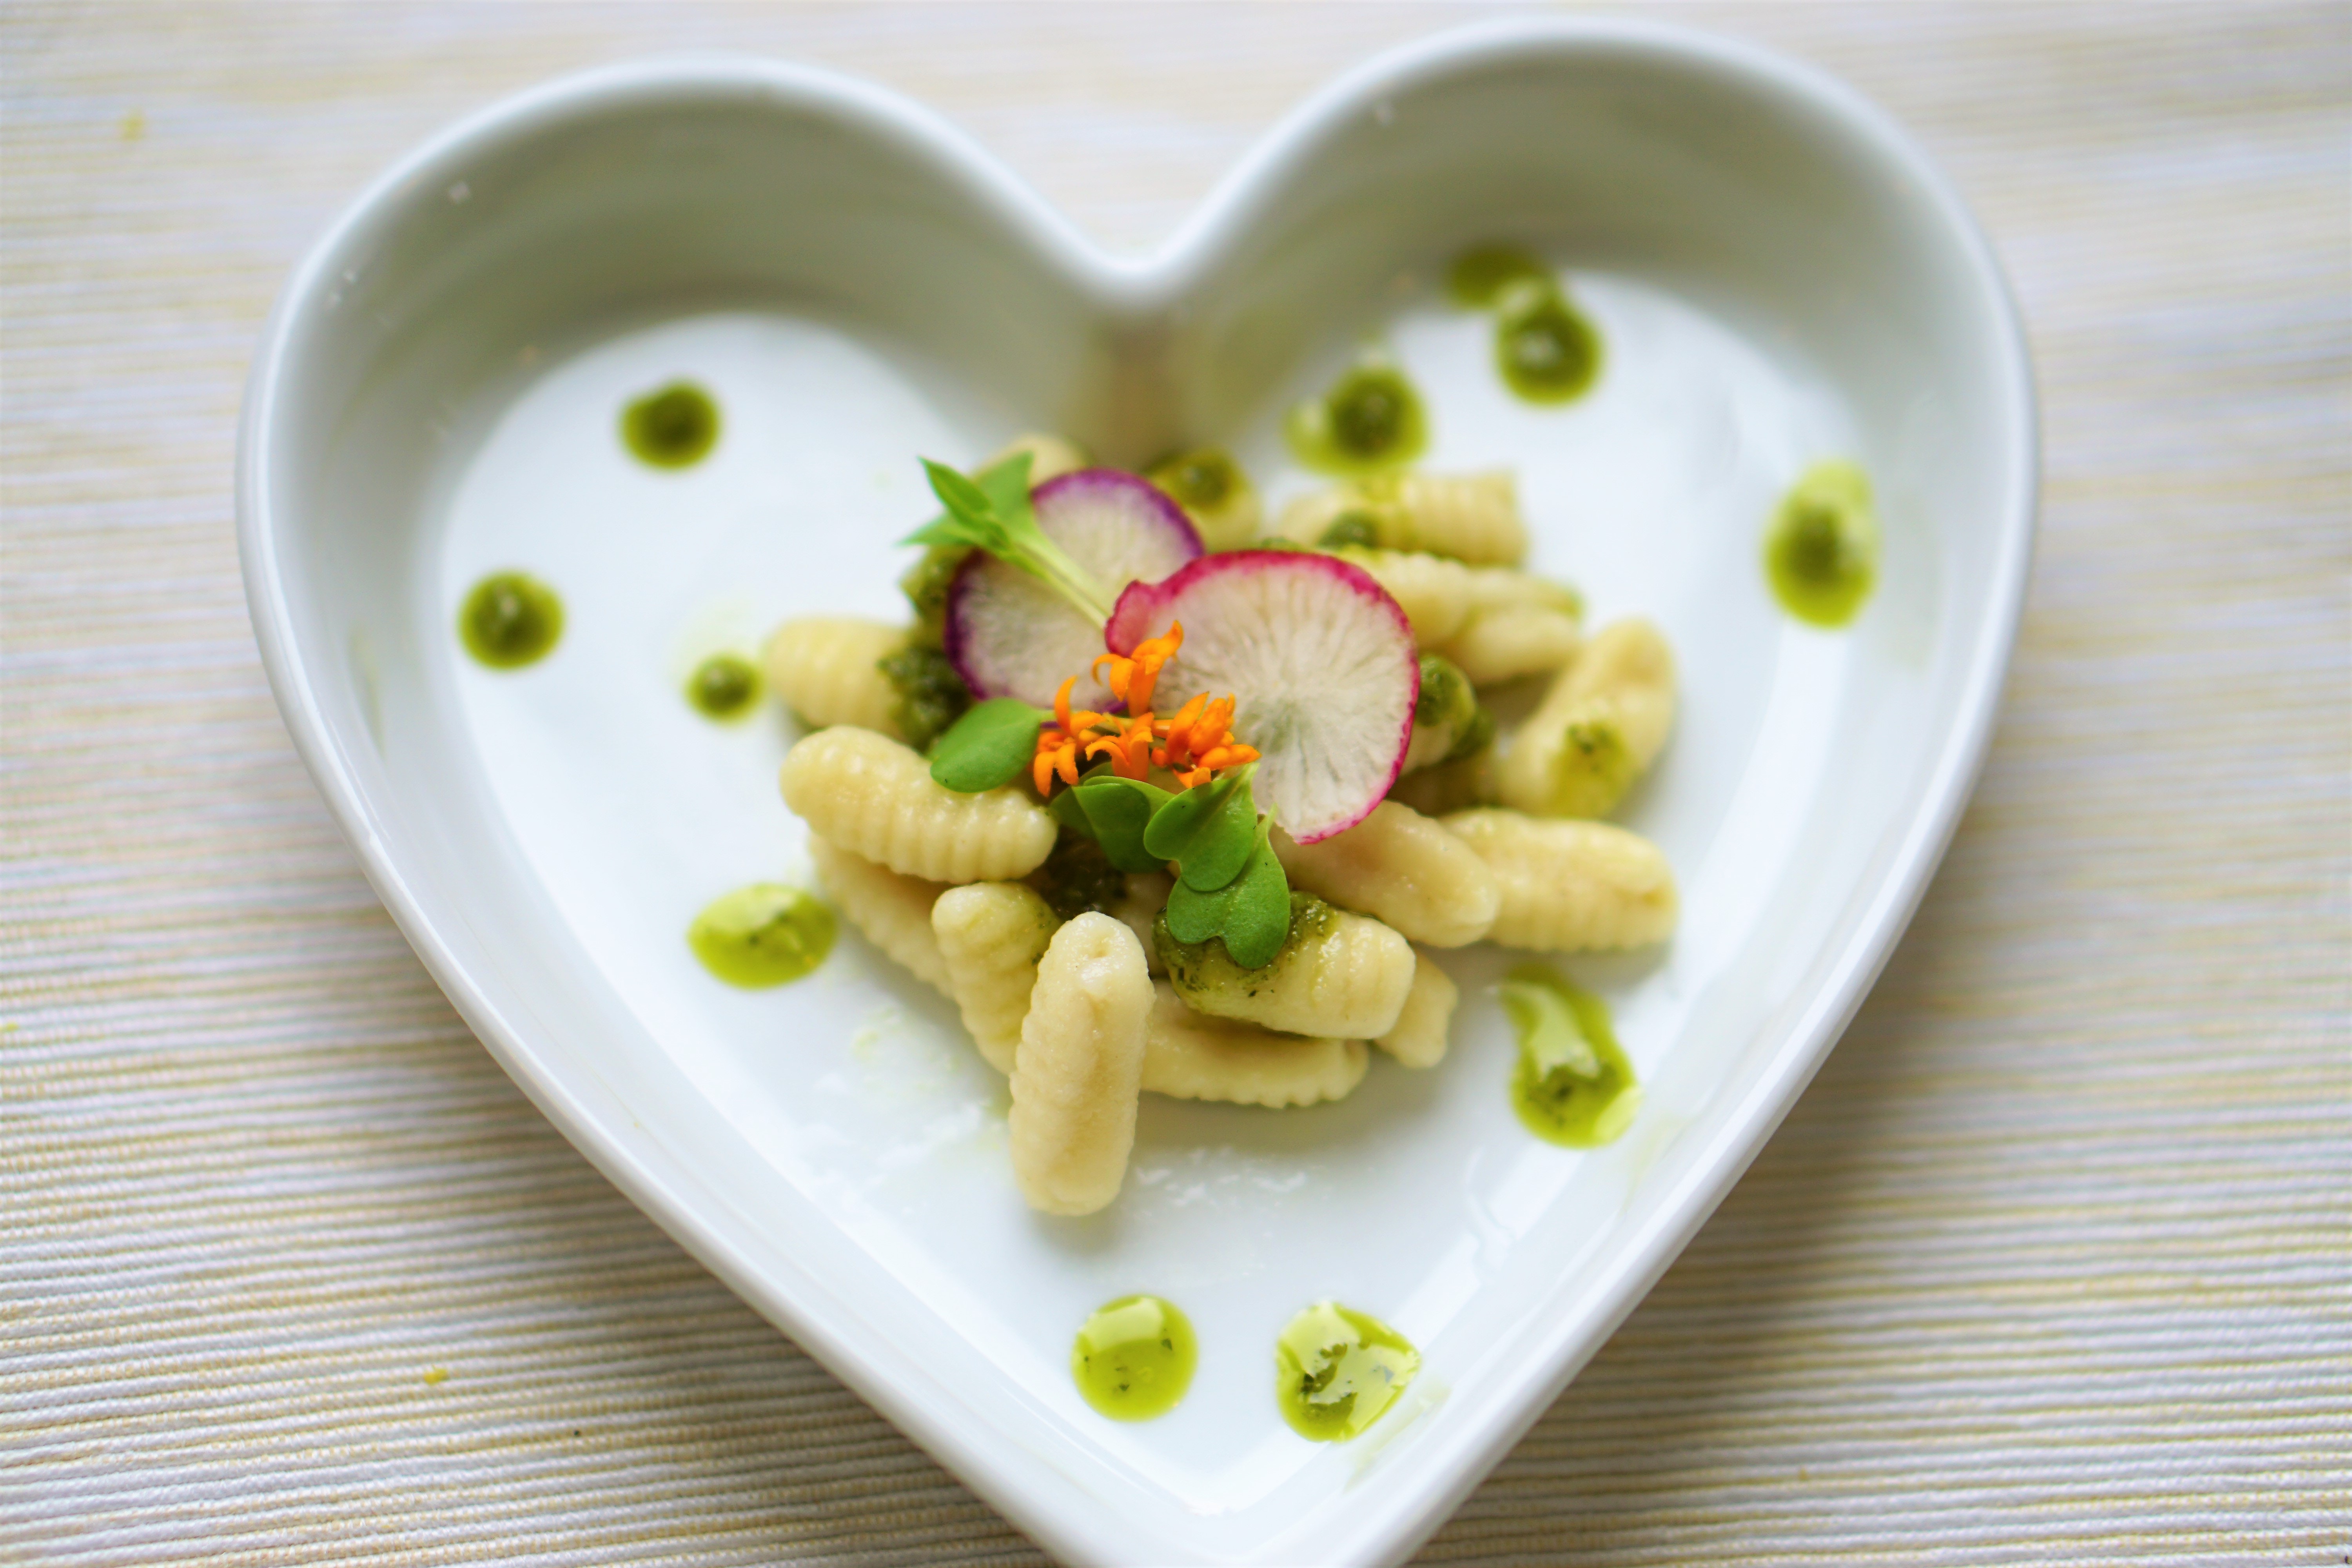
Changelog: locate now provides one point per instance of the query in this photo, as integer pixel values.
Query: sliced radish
(1320, 661)
(1008, 635)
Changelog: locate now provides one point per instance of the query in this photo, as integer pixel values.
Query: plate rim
(1414, 1509)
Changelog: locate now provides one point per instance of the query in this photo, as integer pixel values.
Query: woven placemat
(2050, 1265)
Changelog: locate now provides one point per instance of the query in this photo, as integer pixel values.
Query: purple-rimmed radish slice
(1008, 635)
(1319, 660)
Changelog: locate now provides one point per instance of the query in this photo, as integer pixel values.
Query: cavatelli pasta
(1571, 886)
(1423, 882)
(1050, 457)
(1193, 1056)
(1450, 786)
(875, 797)
(827, 671)
(991, 936)
(1598, 728)
(1079, 1067)
(1338, 975)
(892, 911)
(1521, 639)
(1419, 1037)
(1441, 598)
(1469, 517)
(1147, 895)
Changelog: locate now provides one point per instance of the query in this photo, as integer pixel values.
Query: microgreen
(1251, 914)
(1210, 829)
(990, 745)
(993, 513)
(1118, 812)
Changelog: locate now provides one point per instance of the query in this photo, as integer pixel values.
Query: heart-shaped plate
(1777, 274)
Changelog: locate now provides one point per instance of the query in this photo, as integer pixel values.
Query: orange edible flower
(1195, 745)
(1133, 675)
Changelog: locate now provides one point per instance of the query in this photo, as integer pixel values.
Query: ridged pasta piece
(875, 797)
(991, 936)
(1470, 517)
(1079, 1067)
(1505, 644)
(1598, 728)
(1050, 457)
(826, 668)
(1450, 786)
(1419, 1039)
(893, 912)
(1423, 882)
(1571, 886)
(1441, 598)
(1338, 975)
(1147, 895)
(1191, 1055)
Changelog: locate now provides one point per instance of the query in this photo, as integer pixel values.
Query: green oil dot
(1480, 274)
(724, 686)
(1214, 493)
(674, 427)
(1573, 1085)
(1545, 351)
(762, 935)
(1821, 550)
(1133, 1359)
(1338, 1370)
(1370, 420)
(509, 620)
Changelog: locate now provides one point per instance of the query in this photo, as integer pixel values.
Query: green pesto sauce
(1078, 877)
(674, 427)
(1370, 420)
(1199, 972)
(1545, 350)
(926, 586)
(1821, 550)
(1339, 1371)
(509, 620)
(1572, 1085)
(1350, 529)
(1203, 479)
(1133, 1359)
(1594, 769)
(1480, 274)
(724, 686)
(931, 695)
(762, 935)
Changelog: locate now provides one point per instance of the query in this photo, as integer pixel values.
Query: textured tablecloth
(2049, 1264)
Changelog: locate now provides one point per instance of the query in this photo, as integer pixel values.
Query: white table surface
(2050, 1265)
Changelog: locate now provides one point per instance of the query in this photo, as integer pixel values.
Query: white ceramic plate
(1778, 276)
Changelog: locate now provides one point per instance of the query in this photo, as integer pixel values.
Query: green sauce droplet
(1822, 552)
(762, 935)
(1547, 352)
(1573, 1086)
(1479, 276)
(1370, 420)
(724, 686)
(1133, 1359)
(1337, 1372)
(509, 620)
(674, 428)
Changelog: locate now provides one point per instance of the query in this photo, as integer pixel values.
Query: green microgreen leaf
(1118, 809)
(988, 746)
(993, 513)
(1251, 914)
(1064, 805)
(1210, 829)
